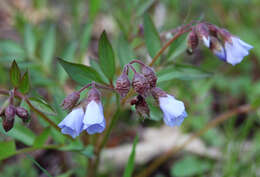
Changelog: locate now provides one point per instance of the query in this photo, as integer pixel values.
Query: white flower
(173, 110)
(206, 41)
(94, 121)
(72, 124)
(236, 50)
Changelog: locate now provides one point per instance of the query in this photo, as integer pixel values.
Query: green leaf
(106, 56)
(68, 54)
(25, 84)
(95, 65)
(21, 133)
(75, 145)
(151, 36)
(7, 149)
(142, 7)
(189, 166)
(94, 6)
(29, 40)
(80, 73)
(88, 151)
(38, 165)
(42, 105)
(11, 47)
(85, 38)
(15, 74)
(182, 72)
(41, 139)
(48, 46)
(131, 161)
(124, 51)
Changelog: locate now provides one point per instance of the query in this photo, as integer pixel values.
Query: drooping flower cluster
(88, 115)
(225, 46)
(8, 116)
(144, 83)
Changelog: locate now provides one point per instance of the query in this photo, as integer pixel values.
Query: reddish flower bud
(140, 84)
(8, 121)
(149, 74)
(225, 35)
(22, 113)
(93, 95)
(193, 41)
(141, 106)
(123, 84)
(157, 92)
(213, 30)
(70, 101)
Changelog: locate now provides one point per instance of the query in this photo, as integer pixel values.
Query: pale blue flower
(173, 110)
(94, 121)
(72, 124)
(236, 50)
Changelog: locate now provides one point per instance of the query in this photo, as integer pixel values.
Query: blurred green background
(34, 32)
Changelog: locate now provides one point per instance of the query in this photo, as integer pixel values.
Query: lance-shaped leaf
(151, 36)
(124, 51)
(25, 84)
(42, 138)
(131, 161)
(106, 56)
(80, 73)
(48, 46)
(42, 106)
(7, 149)
(29, 40)
(15, 74)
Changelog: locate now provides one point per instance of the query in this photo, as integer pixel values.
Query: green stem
(93, 165)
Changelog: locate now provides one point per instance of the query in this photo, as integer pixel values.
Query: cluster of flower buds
(224, 45)
(8, 116)
(87, 115)
(144, 83)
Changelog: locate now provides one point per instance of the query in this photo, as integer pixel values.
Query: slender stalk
(137, 61)
(175, 149)
(41, 114)
(178, 34)
(93, 166)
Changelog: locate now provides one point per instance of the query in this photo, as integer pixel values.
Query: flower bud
(70, 101)
(193, 41)
(123, 84)
(203, 34)
(140, 84)
(225, 35)
(93, 95)
(213, 30)
(8, 121)
(22, 113)
(149, 74)
(157, 92)
(141, 106)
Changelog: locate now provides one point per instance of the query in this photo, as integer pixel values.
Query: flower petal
(173, 110)
(236, 50)
(94, 121)
(72, 124)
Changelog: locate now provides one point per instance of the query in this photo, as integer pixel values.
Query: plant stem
(178, 34)
(41, 114)
(175, 149)
(93, 165)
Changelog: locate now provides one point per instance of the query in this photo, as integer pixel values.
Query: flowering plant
(100, 91)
